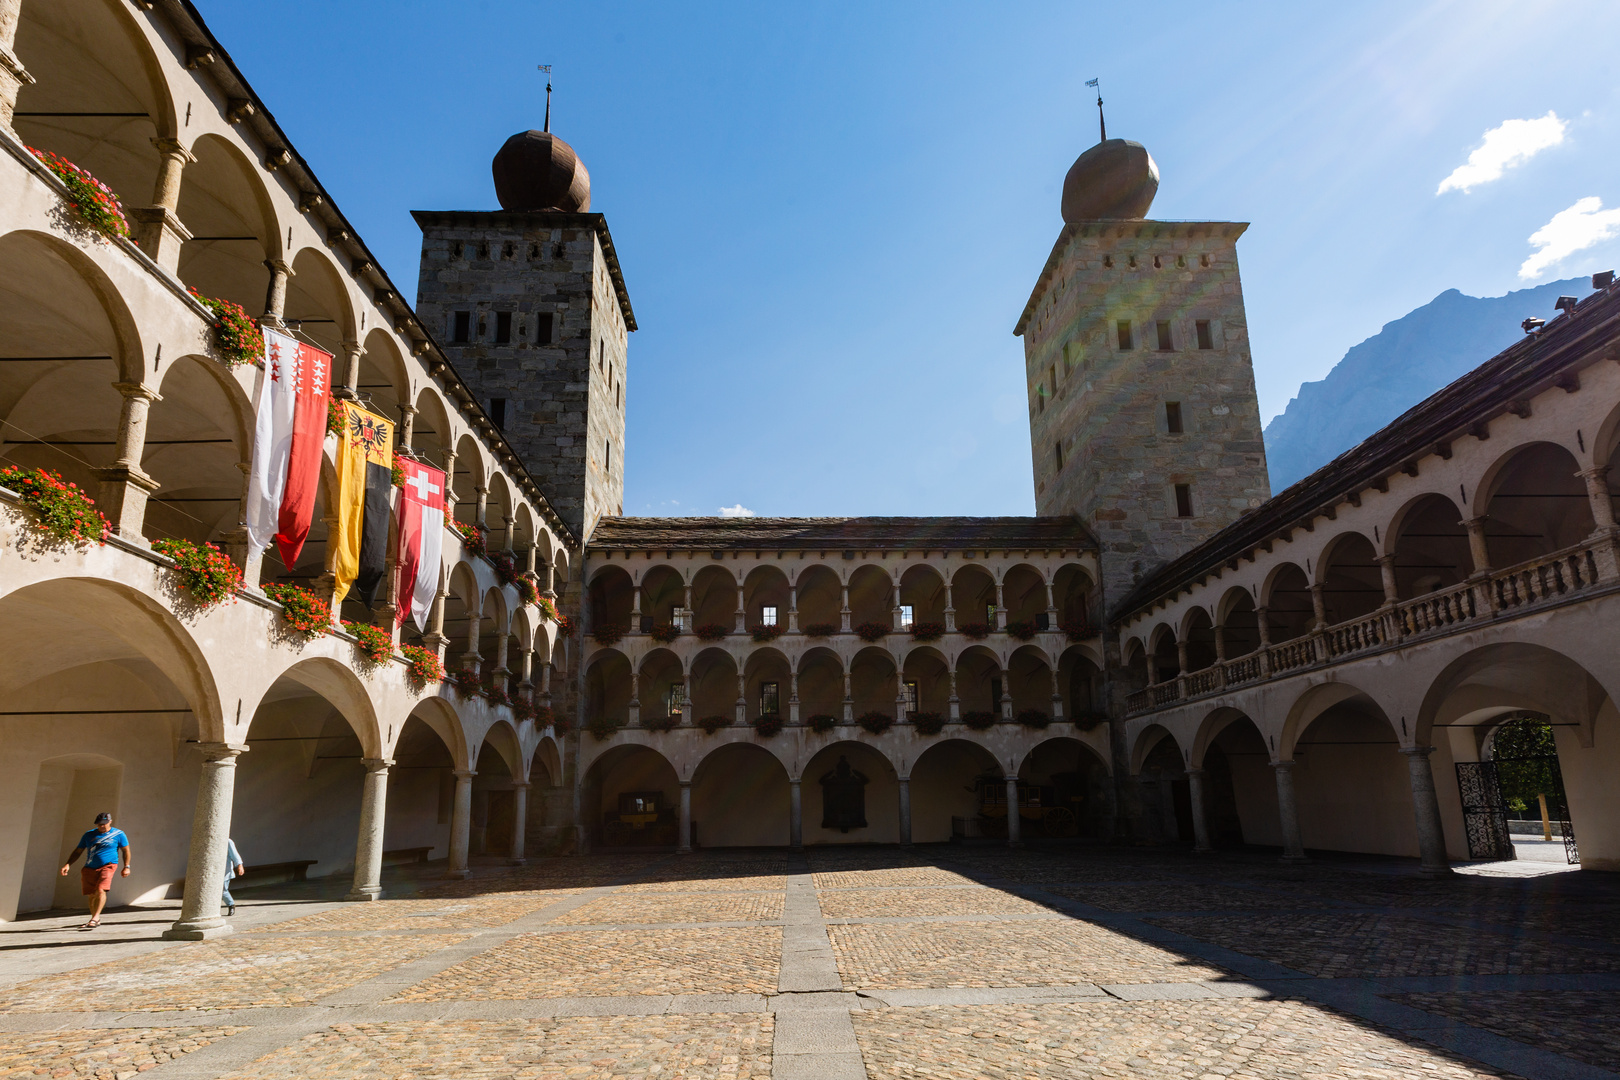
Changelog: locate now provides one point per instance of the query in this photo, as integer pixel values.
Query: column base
(363, 895)
(198, 930)
(1285, 857)
(1436, 871)
(1203, 851)
(683, 851)
(456, 875)
(517, 862)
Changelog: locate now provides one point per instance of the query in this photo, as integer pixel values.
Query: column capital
(685, 783)
(170, 147)
(138, 392)
(277, 266)
(377, 765)
(1194, 772)
(221, 751)
(1283, 766)
(1386, 560)
(1475, 522)
(464, 774)
(1596, 472)
(1425, 750)
(516, 784)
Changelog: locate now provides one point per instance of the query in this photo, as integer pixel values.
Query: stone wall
(1105, 404)
(564, 397)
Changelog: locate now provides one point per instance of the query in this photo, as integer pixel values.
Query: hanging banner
(272, 439)
(421, 540)
(365, 463)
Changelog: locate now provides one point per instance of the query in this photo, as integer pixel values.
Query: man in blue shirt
(104, 847)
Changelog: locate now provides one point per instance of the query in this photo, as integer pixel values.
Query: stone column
(1597, 493)
(1051, 609)
(481, 506)
(500, 672)
(1263, 623)
(1004, 705)
(545, 682)
(509, 522)
(795, 816)
(156, 228)
(793, 697)
(124, 487)
(1318, 607)
(1001, 608)
(1015, 827)
(950, 611)
(275, 297)
(843, 611)
(13, 76)
(1477, 547)
(635, 608)
(849, 698)
(472, 659)
(205, 863)
(520, 821)
(1386, 572)
(793, 609)
(954, 701)
(1195, 782)
(352, 352)
(1181, 657)
(683, 837)
(1288, 812)
(407, 426)
(1426, 808)
(742, 698)
(461, 822)
(1220, 643)
(905, 811)
(434, 638)
(526, 672)
(368, 848)
(449, 488)
(742, 612)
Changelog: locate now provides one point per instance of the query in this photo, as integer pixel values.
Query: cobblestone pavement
(869, 962)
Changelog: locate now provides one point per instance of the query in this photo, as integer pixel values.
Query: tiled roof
(836, 533)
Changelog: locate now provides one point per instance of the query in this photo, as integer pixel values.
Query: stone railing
(1561, 577)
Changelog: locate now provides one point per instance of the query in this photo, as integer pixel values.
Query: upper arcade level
(1491, 501)
(110, 374)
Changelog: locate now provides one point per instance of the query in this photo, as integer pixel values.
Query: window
(770, 701)
(607, 455)
(913, 698)
(995, 693)
(1203, 260)
(1040, 398)
(1057, 453)
(542, 330)
(767, 615)
(1184, 500)
(503, 328)
(990, 613)
(1052, 376)
(462, 331)
(1172, 417)
(677, 698)
(905, 616)
(1165, 344)
(1206, 340)
(1124, 329)
(497, 411)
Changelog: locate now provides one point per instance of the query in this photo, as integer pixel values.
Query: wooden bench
(273, 873)
(406, 855)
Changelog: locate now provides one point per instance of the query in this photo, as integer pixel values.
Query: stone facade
(1102, 381)
(562, 368)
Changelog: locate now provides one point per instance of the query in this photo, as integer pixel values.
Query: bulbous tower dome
(535, 170)
(1114, 179)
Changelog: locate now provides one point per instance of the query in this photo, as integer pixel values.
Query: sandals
(91, 925)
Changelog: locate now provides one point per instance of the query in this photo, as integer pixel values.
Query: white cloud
(736, 511)
(1576, 229)
(1513, 142)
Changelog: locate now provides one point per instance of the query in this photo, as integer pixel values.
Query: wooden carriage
(1049, 810)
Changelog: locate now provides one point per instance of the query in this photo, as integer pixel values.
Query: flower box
(875, 722)
(711, 632)
(873, 631)
(821, 629)
(928, 631)
(979, 720)
(821, 723)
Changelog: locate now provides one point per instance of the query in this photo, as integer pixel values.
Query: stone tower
(1142, 410)
(531, 308)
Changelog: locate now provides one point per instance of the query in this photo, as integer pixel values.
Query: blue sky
(831, 215)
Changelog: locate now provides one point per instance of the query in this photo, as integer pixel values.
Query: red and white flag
(289, 428)
(421, 539)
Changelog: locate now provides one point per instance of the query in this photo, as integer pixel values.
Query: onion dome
(535, 170)
(1114, 179)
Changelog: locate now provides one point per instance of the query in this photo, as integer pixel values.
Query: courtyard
(846, 962)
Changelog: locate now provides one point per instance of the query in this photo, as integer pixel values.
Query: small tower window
(503, 328)
(1166, 343)
(462, 331)
(607, 455)
(1040, 398)
(1172, 417)
(506, 250)
(542, 329)
(534, 251)
(1123, 328)
(497, 411)
(1184, 500)
(1206, 340)
(1057, 454)
(483, 249)
(1203, 260)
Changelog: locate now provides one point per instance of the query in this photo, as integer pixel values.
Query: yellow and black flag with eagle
(365, 476)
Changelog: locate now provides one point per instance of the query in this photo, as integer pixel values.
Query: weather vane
(1101, 123)
(546, 68)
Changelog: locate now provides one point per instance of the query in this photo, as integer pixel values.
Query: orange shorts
(98, 879)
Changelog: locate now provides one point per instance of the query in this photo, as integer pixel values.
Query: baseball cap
(103, 818)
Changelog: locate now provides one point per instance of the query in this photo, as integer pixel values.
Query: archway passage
(850, 795)
(421, 790)
(1166, 793)
(740, 798)
(945, 790)
(1538, 505)
(1240, 789)
(630, 801)
(1353, 787)
(1071, 784)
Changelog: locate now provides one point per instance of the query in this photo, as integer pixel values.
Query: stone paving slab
(908, 877)
(1058, 952)
(1263, 1040)
(233, 972)
(1584, 1025)
(100, 1053)
(433, 914)
(676, 908)
(724, 883)
(589, 963)
(924, 903)
(732, 1046)
(1337, 945)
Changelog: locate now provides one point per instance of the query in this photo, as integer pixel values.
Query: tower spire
(1102, 125)
(547, 69)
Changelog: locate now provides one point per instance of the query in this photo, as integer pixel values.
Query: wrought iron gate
(1541, 771)
(1484, 811)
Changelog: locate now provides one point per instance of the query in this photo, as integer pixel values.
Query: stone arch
(503, 738)
(820, 679)
(234, 229)
(1031, 680)
(973, 593)
(1071, 776)
(525, 534)
(818, 596)
(548, 755)
(1507, 677)
(1239, 622)
(712, 684)
(471, 477)
(659, 672)
(1147, 741)
(1429, 544)
(944, 784)
(608, 681)
(1289, 611)
(1072, 590)
(922, 588)
(874, 681)
(762, 668)
(1198, 631)
(629, 769)
(927, 668)
(714, 598)
(662, 591)
(385, 383)
(431, 433)
(440, 717)
(319, 306)
(195, 438)
(1080, 681)
(1534, 503)
(500, 508)
(340, 686)
(1351, 580)
(980, 681)
(610, 595)
(880, 795)
(1316, 701)
(765, 586)
(1023, 590)
(1163, 654)
(871, 595)
(740, 797)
